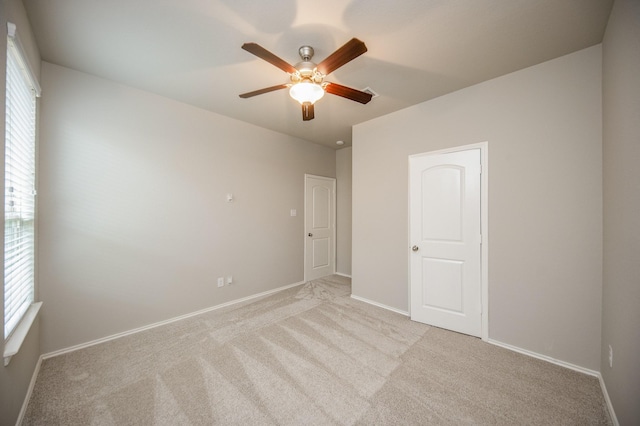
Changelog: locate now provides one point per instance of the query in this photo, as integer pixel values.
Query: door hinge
(480, 238)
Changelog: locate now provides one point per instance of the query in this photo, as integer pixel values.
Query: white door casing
(445, 227)
(319, 219)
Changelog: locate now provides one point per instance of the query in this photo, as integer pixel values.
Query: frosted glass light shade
(306, 92)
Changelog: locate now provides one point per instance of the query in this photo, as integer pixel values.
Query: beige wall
(343, 219)
(134, 223)
(621, 284)
(15, 378)
(135, 229)
(543, 127)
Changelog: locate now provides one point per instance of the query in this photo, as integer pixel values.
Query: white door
(445, 252)
(319, 219)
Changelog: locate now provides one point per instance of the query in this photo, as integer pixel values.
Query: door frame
(484, 226)
(333, 221)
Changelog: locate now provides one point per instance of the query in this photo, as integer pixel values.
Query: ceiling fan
(307, 79)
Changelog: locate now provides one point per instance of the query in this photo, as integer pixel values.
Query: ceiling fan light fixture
(307, 78)
(306, 91)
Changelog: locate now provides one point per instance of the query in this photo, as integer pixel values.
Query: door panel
(321, 252)
(319, 227)
(444, 225)
(442, 203)
(321, 204)
(447, 298)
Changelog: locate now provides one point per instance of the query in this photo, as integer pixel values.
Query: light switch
(229, 198)
(294, 212)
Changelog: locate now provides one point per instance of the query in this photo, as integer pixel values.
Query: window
(19, 193)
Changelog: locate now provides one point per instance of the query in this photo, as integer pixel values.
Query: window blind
(19, 200)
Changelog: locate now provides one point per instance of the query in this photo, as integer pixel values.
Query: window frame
(22, 181)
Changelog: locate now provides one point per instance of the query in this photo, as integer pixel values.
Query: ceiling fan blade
(263, 53)
(351, 50)
(265, 90)
(307, 111)
(348, 92)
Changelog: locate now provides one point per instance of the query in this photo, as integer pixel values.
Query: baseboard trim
(276, 290)
(343, 275)
(165, 322)
(380, 305)
(574, 367)
(545, 358)
(32, 384)
(612, 413)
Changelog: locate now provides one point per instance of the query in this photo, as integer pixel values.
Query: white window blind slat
(19, 189)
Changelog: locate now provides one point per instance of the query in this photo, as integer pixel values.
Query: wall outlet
(221, 282)
(229, 280)
(610, 357)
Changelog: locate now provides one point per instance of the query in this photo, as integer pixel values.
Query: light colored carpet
(307, 355)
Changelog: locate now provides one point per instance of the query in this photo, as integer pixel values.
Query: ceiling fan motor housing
(306, 70)
(306, 53)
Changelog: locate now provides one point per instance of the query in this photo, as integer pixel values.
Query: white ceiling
(189, 50)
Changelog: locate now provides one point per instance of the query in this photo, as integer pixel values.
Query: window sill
(13, 343)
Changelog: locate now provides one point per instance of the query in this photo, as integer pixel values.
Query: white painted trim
(333, 220)
(14, 342)
(565, 365)
(612, 413)
(266, 293)
(169, 321)
(380, 305)
(27, 397)
(544, 358)
(484, 227)
(342, 275)
(24, 62)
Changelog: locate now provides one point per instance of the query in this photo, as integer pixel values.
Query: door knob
(415, 248)
(310, 234)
